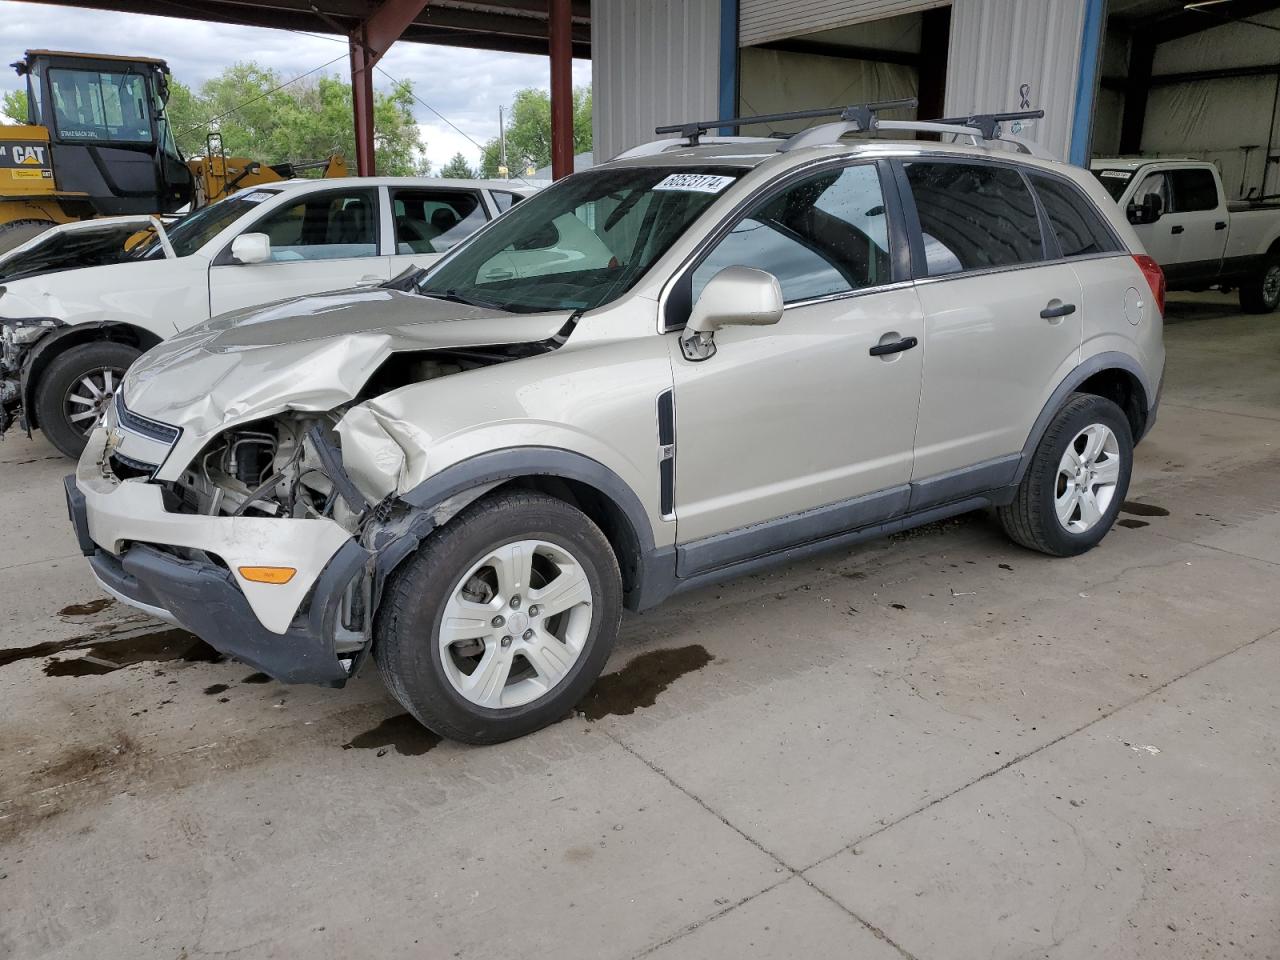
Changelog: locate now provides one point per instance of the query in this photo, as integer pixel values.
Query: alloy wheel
(88, 397)
(1271, 285)
(1087, 476)
(515, 624)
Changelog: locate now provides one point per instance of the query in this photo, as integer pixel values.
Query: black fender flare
(1109, 360)
(653, 578)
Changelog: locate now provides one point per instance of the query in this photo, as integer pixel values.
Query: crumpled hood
(310, 354)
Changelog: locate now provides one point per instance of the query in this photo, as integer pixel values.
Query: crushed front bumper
(184, 568)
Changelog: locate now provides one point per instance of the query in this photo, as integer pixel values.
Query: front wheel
(1261, 293)
(75, 390)
(502, 620)
(1077, 479)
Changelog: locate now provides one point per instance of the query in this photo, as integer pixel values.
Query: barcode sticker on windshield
(258, 196)
(695, 182)
(1116, 174)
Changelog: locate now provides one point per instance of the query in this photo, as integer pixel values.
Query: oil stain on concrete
(638, 684)
(401, 733)
(157, 646)
(86, 609)
(1138, 509)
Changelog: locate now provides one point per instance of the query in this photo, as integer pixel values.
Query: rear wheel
(17, 232)
(502, 620)
(1261, 293)
(75, 390)
(1078, 477)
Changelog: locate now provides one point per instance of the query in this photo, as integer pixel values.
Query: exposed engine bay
(290, 465)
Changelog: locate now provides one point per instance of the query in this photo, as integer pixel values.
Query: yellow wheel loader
(97, 143)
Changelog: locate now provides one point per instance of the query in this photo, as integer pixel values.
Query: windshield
(197, 229)
(1114, 180)
(100, 105)
(581, 243)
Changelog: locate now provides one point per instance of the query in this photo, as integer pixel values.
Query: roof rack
(861, 113)
(856, 118)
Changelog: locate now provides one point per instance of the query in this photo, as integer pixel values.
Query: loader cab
(109, 138)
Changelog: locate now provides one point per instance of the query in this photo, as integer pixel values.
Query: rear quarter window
(1077, 225)
(974, 216)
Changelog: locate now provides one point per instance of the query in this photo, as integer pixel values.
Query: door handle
(1220, 225)
(1056, 308)
(1178, 229)
(897, 346)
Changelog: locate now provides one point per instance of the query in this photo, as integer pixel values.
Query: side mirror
(736, 296)
(251, 248)
(1149, 211)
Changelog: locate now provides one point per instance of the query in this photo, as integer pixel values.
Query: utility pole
(502, 145)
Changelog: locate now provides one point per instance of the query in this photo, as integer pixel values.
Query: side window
(432, 221)
(1158, 184)
(1193, 190)
(505, 200)
(974, 216)
(825, 235)
(1077, 225)
(324, 226)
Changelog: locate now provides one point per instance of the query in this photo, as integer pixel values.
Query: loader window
(96, 106)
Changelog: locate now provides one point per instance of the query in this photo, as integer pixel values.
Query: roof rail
(860, 113)
(660, 146)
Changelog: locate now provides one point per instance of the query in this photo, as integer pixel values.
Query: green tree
(457, 168)
(14, 105)
(529, 131)
(307, 120)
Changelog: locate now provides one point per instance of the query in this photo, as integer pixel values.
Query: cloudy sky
(466, 86)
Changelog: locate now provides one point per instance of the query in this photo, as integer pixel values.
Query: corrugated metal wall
(764, 20)
(653, 62)
(998, 46)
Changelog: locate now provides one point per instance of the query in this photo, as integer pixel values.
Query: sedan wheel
(87, 399)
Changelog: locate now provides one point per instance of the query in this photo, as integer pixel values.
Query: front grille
(152, 429)
(126, 468)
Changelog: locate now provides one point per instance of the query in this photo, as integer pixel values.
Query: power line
(240, 106)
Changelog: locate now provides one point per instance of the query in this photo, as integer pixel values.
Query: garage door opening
(888, 59)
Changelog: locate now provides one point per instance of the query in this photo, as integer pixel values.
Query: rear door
(1001, 322)
(427, 222)
(1201, 212)
(322, 240)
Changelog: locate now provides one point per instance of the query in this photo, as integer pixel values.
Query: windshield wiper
(453, 296)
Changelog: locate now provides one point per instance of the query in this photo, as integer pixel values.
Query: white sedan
(80, 302)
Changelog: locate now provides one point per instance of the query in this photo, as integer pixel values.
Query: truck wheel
(1077, 479)
(1261, 293)
(502, 620)
(17, 232)
(75, 390)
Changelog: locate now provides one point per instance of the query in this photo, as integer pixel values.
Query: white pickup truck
(82, 301)
(1199, 238)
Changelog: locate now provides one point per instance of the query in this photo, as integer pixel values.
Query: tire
(1261, 293)
(17, 232)
(1033, 518)
(428, 677)
(101, 363)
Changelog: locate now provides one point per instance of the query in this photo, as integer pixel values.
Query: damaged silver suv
(705, 356)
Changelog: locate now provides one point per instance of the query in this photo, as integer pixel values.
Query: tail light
(1155, 278)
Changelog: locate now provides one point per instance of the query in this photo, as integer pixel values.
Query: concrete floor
(939, 746)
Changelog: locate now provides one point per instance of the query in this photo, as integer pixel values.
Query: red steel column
(561, 18)
(368, 42)
(362, 100)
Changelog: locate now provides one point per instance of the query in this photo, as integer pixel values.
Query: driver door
(796, 431)
(325, 240)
